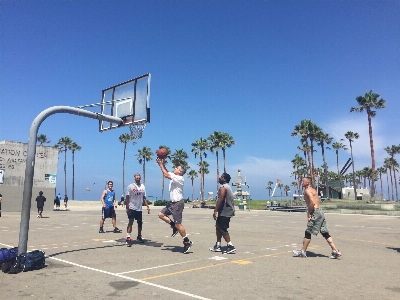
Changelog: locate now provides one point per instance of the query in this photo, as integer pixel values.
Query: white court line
(132, 279)
(134, 271)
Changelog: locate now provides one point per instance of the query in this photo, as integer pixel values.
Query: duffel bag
(8, 254)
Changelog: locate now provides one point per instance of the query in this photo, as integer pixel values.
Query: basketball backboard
(129, 101)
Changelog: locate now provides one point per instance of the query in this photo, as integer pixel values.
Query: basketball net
(137, 130)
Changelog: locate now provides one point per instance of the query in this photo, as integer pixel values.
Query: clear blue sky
(253, 69)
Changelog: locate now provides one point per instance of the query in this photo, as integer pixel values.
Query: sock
(101, 227)
(218, 244)
(185, 238)
(128, 235)
(230, 244)
(172, 223)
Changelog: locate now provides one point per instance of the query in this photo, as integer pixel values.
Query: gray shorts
(317, 223)
(175, 209)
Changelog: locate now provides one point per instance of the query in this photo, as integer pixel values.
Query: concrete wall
(12, 174)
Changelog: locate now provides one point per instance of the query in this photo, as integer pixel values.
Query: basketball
(162, 153)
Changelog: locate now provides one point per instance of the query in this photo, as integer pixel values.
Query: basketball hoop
(137, 130)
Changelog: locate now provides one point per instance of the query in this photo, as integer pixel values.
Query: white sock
(230, 244)
(218, 244)
(128, 235)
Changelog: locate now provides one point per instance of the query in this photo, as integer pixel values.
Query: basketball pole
(30, 162)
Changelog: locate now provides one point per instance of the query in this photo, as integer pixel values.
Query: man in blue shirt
(109, 205)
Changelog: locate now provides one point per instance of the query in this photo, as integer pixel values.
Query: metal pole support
(30, 162)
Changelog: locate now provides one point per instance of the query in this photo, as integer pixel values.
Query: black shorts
(108, 212)
(40, 208)
(135, 215)
(223, 224)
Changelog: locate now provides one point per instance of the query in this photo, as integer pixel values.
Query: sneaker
(186, 246)
(299, 253)
(139, 239)
(335, 255)
(38, 216)
(101, 230)
(116, 230)
(216, 248)
(128, 241)
(230, 249)
(174, 231)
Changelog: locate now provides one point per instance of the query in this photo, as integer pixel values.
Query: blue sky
(254, 69)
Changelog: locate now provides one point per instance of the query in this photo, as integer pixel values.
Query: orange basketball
(162, 153)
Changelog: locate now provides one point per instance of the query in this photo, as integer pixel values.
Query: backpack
(30, 261)
(8, 254)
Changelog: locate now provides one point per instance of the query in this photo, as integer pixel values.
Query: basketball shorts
(175, 209)
(135, 215)
(108, 212)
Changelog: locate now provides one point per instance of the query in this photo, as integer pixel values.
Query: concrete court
(84, 264)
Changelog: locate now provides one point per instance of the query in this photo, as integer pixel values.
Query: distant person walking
(225, 208)
(135, 196)
(65, 201)
(176, 205)
(316, 221)
(109, 204)
(122, 200)
(40, 204)
(57, 201)
(1, 198)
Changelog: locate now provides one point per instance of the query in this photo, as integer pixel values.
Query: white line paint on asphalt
(157, 267)
(132, 279)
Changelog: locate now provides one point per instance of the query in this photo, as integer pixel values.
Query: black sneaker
(230, 249)
(128, 241)
(216, 248)
(174, 231)
(186, 246)
(139, 239)
(101, 230)
(116, 230)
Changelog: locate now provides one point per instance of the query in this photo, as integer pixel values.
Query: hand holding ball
(162, 153)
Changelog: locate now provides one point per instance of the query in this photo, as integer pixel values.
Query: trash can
(241, 206)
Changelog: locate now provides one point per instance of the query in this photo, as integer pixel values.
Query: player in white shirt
(135, 197)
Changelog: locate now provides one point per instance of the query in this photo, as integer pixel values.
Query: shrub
(161, 203)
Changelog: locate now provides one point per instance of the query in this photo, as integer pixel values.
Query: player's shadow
(84, 249)
(148, 243)
(173, 248)
(313, 254)
(395, 249)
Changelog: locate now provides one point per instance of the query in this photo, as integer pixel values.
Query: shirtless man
(316, 221)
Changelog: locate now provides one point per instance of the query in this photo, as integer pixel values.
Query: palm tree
(42, 139)
(280, 186)
(269, 188)
(295, 185)
(351, 136)
(392, 151)
(297, 163)
(165, 162)
(227, 142)
(73, 147)
(286, 188)
(124, 139)
(368, 102)
(321, 139)
(62, 145)
(192, 174)
(199, 148)
(303, 131)
(179, 158)
(381, 170)
(337, 146)
(144, 155)
(204, 170)
(216, 139)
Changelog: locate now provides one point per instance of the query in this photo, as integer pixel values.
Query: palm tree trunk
(65, 171)
(217, 169)
(371, 143)
(325, 170)
(387, 181)
(201, 178)
(192, 188)
(123, 171)
(354, 174)
(395, 183)
(162, 187)
(223, 154)
(337, 161)
(73, 175)
(380, 176)
(391, 181)
(144, 170)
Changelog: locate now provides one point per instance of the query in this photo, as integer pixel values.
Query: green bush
(161, 203)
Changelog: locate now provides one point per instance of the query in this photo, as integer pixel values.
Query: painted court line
(152, 268)
(132, 279)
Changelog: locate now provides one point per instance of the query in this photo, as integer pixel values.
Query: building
(12, 174)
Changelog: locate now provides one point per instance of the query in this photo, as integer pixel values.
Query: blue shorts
(40, 209)
(108, 212)
(135, 215)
